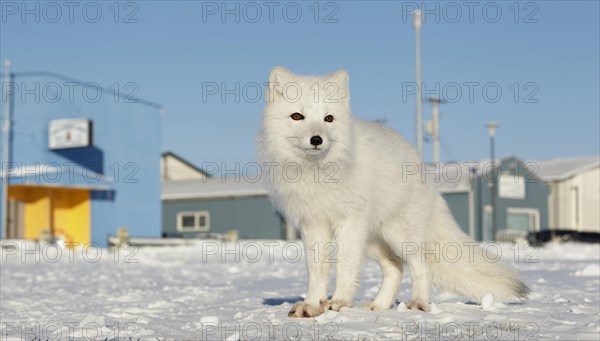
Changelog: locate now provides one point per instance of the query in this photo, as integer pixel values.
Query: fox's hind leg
(409, 250)
(391, 267)
(420, 276)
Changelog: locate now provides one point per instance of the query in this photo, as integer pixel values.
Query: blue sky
(549, 50)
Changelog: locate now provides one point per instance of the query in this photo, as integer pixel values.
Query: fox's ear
(341, 81)
(278, 78)
(279, 74)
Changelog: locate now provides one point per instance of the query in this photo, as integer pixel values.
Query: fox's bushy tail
(474, 273)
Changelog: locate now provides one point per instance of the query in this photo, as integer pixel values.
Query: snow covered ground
(244, 290)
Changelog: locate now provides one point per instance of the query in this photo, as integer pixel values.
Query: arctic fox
(340, 181)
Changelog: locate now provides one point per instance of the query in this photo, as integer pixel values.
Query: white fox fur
(352, 190)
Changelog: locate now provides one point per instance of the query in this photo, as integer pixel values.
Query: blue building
(521, 197)
(197, 206)
(79, 160)
(193, 208)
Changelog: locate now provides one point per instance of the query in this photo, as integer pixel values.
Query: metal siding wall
(2, 230)
(536, 196)
(124, 135)
(459, 206)
(253, 217)
(104, 220)
(132, 135)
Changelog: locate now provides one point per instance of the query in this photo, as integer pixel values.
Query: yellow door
(61, 211)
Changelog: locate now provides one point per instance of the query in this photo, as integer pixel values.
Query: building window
(197, 221)
(522, 219)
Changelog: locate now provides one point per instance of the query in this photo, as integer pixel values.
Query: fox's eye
(297, 116)
(329, 118)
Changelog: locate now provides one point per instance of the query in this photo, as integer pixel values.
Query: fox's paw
(301, 309)
(374, 306)
(334, 305)
(418, 304)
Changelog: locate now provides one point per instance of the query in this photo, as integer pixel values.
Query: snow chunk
(326, 316)
(536, 296)
(402, 307)
(487, 301)
(93, 319)
(592, 270)
(233, 269)
(209, 320)
(434, 309)
(143, 320)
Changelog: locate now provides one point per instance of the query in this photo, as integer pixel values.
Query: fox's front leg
(351, 240)
(318, 273)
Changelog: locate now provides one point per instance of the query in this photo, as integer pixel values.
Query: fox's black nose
(316, 140)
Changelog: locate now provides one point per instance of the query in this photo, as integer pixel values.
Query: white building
(574, 200)
(174, 167)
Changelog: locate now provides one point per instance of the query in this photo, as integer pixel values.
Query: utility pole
(5, 158)
(419, 121)
(435, 129)
(492, 132)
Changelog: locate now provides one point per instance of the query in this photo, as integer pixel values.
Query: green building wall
(536, 197)
(536, 193)
(458, 202)
(252, 217)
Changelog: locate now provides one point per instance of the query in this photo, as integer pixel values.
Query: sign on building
(69, 133)
(511, 187)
